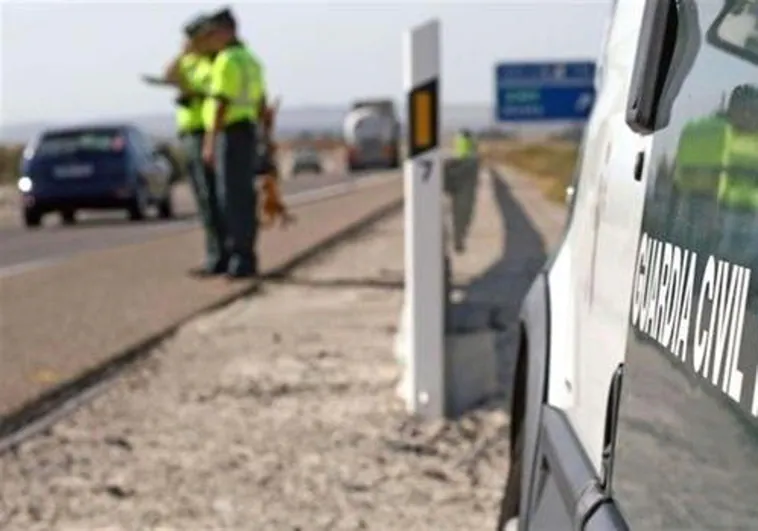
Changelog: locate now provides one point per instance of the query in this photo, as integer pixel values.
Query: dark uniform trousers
(237, 198)
(203, 180)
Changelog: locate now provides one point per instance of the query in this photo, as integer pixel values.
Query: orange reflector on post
(422, 111)
(423, 117)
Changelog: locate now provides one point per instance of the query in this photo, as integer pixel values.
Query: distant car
(94, 167)
(307, 160)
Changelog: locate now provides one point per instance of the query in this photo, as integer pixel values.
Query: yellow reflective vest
(237, 78)
(196, 70)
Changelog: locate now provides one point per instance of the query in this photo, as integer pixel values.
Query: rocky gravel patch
(278, 412)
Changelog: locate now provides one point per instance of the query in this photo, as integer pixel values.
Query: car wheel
(32, 217)
(166, 207)
(68, 217)
(138, 207)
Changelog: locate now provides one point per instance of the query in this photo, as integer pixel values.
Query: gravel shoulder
(279, 412)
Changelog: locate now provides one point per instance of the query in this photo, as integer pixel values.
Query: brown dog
(272, 207)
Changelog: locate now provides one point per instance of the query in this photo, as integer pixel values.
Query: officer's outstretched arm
(173, 72)
(175, 76)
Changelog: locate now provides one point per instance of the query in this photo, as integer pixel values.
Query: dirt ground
(278, 412)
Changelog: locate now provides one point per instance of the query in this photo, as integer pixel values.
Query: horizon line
(303, 106)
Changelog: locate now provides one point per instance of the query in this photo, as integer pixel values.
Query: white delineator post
(424, 270)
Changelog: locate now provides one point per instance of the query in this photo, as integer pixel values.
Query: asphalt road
(63, 319)
(22, 248)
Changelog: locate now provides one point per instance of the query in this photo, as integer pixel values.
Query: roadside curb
(42, 412)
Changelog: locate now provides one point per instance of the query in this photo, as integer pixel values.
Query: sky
(66, 60)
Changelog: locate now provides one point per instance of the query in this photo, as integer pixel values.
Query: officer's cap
(196, 26)
(223, 17)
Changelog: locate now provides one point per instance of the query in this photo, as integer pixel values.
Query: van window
(687, 455)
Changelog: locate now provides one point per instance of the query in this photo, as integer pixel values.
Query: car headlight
(25, 185)
(29, 150)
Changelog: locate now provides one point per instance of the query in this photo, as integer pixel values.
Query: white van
(635, 400)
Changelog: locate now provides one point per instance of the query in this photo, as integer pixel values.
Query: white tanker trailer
(372, 135)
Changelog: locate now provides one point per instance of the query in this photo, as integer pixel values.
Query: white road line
(299, 198)
(17, 269)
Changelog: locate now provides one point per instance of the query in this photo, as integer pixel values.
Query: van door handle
(611, 429)
(639, 164)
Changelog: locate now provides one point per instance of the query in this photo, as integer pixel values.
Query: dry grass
(9, 159)
(550, 162)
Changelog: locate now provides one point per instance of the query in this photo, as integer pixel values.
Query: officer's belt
(242, 124)
(195, 131)
(189, 101)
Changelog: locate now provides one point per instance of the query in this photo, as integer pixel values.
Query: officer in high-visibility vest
(715, 192)
(697, 174)
(738, 188)
(231, 116)
(461, 179)
(464, 144)
(190, 72)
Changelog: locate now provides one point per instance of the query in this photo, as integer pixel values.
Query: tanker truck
(372, 135)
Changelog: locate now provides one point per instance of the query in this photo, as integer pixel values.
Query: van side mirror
(668, 45)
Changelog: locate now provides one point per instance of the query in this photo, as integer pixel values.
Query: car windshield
(89, 140)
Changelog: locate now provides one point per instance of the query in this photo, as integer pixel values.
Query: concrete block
(471, 370)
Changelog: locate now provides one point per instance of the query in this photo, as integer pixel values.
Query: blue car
(94, 167)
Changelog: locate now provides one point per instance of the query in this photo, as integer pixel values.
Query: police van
(635, 396)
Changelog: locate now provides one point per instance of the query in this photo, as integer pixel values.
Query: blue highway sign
(543, 92)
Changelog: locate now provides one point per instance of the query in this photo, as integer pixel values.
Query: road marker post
(424, 340)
